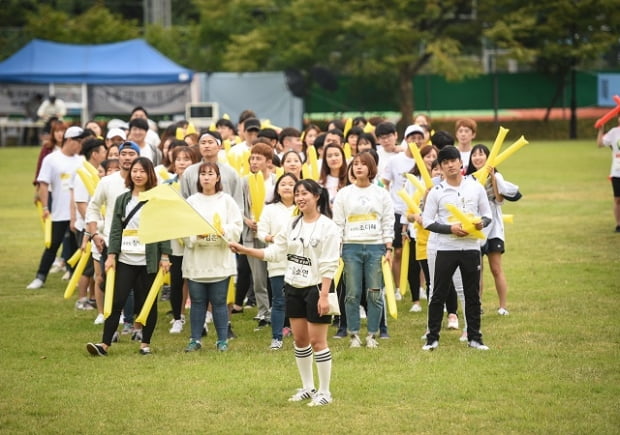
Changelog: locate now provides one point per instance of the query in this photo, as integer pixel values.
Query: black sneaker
(231, 333)
(136, 335)
(262, 323)
(96, 349)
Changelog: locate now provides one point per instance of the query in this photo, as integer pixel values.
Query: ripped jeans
(363, 263)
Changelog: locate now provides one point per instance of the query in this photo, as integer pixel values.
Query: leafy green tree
(558, 37)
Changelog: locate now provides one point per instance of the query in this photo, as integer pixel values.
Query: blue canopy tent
(128, 63)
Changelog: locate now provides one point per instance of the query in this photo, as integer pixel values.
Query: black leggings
(176, 286)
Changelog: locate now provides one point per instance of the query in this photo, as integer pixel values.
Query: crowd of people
(287, 211)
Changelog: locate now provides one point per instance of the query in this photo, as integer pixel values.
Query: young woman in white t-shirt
(311, 245)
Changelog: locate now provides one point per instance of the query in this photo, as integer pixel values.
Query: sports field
(553, 367)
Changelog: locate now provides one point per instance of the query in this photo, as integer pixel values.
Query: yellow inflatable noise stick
(468, 222)
(108, 298)
(404, 267)
(87, 180)
(47, 231)
(256, 186)
(482, 173)
(508, 218)
(419, 161)
(230, 295)
(151, 297)
(77, 273)
(388, 281)
(411, 205)
(519, 143)
(75, 258)
(347, 151)
(338, 273)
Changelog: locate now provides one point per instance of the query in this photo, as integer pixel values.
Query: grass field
(553, 366)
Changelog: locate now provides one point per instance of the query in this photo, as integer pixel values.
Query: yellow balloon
(388, 280)
(77, 273)
(150, 298)
(109, 292)
(404, 267)
(47, 231)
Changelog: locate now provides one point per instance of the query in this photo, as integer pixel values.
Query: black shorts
(493, 245)
(615, 184)
(398, 229)
(302, 303)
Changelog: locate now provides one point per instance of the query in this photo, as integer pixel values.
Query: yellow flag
(166, 205)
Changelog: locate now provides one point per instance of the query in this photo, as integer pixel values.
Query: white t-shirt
(132, 251)
(612, 140)
(58, 171)
(384, 158)
(394, 173)
(108, 189)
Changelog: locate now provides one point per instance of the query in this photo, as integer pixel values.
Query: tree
(560, 37)
(369, 38)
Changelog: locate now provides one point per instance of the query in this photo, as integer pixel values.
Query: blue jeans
(362, 263)
(201, 293)
(278, 306)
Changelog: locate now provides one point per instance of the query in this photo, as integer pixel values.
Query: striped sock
(323, 361)
(303, 358)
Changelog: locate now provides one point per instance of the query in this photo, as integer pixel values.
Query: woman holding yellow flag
(207, 263)
(135, 264)
(311, 245)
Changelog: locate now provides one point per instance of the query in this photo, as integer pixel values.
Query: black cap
(251, 124)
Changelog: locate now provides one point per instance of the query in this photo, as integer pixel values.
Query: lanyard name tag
(298, 266)
(130, 244)
(65, 181)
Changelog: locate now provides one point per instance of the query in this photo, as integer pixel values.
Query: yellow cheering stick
(417, 183)
(516, 146)
(87, 180)
(482, 173)
(91, 170)
(231, 292)
(338, 273)
(388, 281)
(244, 165)
(47, 231)
(468, 222)
(151, 297)
(163, 173)
(347, 151)
(508, 218)
(313, 160)
(72, 261)
(108, 298)
(419, 161)
(77, 273)
(411, 205)
(256, 184)
(404, 267)
(39, 205)
(279, 172)
(348, 125)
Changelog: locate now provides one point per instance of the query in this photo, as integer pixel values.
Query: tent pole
(85, 115)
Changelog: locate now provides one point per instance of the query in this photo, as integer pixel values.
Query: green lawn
(553, 365)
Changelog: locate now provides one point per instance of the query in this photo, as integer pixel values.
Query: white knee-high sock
(303, 358)
(323, 361)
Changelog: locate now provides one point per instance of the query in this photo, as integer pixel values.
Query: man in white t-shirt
(138, 128)
(612, 140)
(55, 183)
(456, 248)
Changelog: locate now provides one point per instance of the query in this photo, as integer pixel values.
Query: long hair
(470, 165)
(423, 152)
(276, 196)
(325, 170)
(147, 165)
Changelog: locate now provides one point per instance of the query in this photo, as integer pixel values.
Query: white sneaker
(397, 295)
(503, 312)
(177, 327)
(422, 293)
(321, 399)
(99, 320)
(276, 344)
(463, 337)
(453, 321)
(477, 345)
(424, 336)
(355, 341)
(66, 276)
(362, 312)
(35, 284)
(416, 308)
(371, 343)
(302, 394)
(431, 346)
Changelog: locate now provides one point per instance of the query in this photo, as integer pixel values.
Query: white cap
(113, 132)
(413, 128)
(74, 132)
(117, 123)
